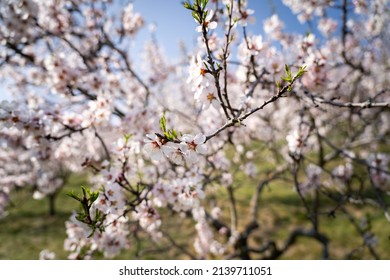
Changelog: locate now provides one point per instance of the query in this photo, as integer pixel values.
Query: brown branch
(344, 33)
(103, 144)
(361, 105)
(178, 246)
(225, 58)
(361, 233)
(233, 209)
(211, 62)
(292, 239)
(234, 121)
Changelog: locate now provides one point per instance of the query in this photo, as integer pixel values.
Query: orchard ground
(29, 228)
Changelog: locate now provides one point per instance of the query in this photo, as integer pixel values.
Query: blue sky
(175, 23)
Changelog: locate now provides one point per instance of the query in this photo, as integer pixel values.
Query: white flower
(149, 219)
(132, 22)
(227, 179)
(273, 25)
(295, 142)
(313, 173)
(47, 255)
(198, 74)
(216, 213)
(206, 96)
(192, 146)
(207, 23)
(327, 26)
(247, 18)
(313, 180)
(177, 155)
(343, 172)
(255, 44)
(379, 171)
(99, 110)
(112, 200)
(156, 147)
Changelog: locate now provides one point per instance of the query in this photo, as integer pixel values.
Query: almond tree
(171, 144)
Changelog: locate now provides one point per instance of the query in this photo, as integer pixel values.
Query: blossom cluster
(185, 151)
(83, 103)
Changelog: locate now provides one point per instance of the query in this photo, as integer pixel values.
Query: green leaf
(127, 137)
(80, 218)
(196, 16)
(286, 69)
(94, 196)
(205, 15)
(278, 84)
(300, 72)
(72, 195)
(187, 5)
(98, 214)
(168, 136)
(84, 191)
(163, 123)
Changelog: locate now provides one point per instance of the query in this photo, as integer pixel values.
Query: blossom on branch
(207, 23)
(192, 146)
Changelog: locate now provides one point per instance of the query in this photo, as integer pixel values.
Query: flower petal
(201, 149)
(212, 25)
(199, 139)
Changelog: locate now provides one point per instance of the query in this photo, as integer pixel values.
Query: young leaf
(196, 16)
(301, 71)
(286, 69)
(72, 195)
(163, 123)
(278, 85)
(127, 137)
(187, 5)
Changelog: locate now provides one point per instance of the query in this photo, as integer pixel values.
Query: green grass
(29, 228)
(281, 206)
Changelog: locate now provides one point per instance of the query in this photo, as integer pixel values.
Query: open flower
(198, 74)
(176, 155)
(209, 99)
(206, 95)
(247, 18)
(192, 146)
(156, 147)
(295, 142)
(207, 23)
